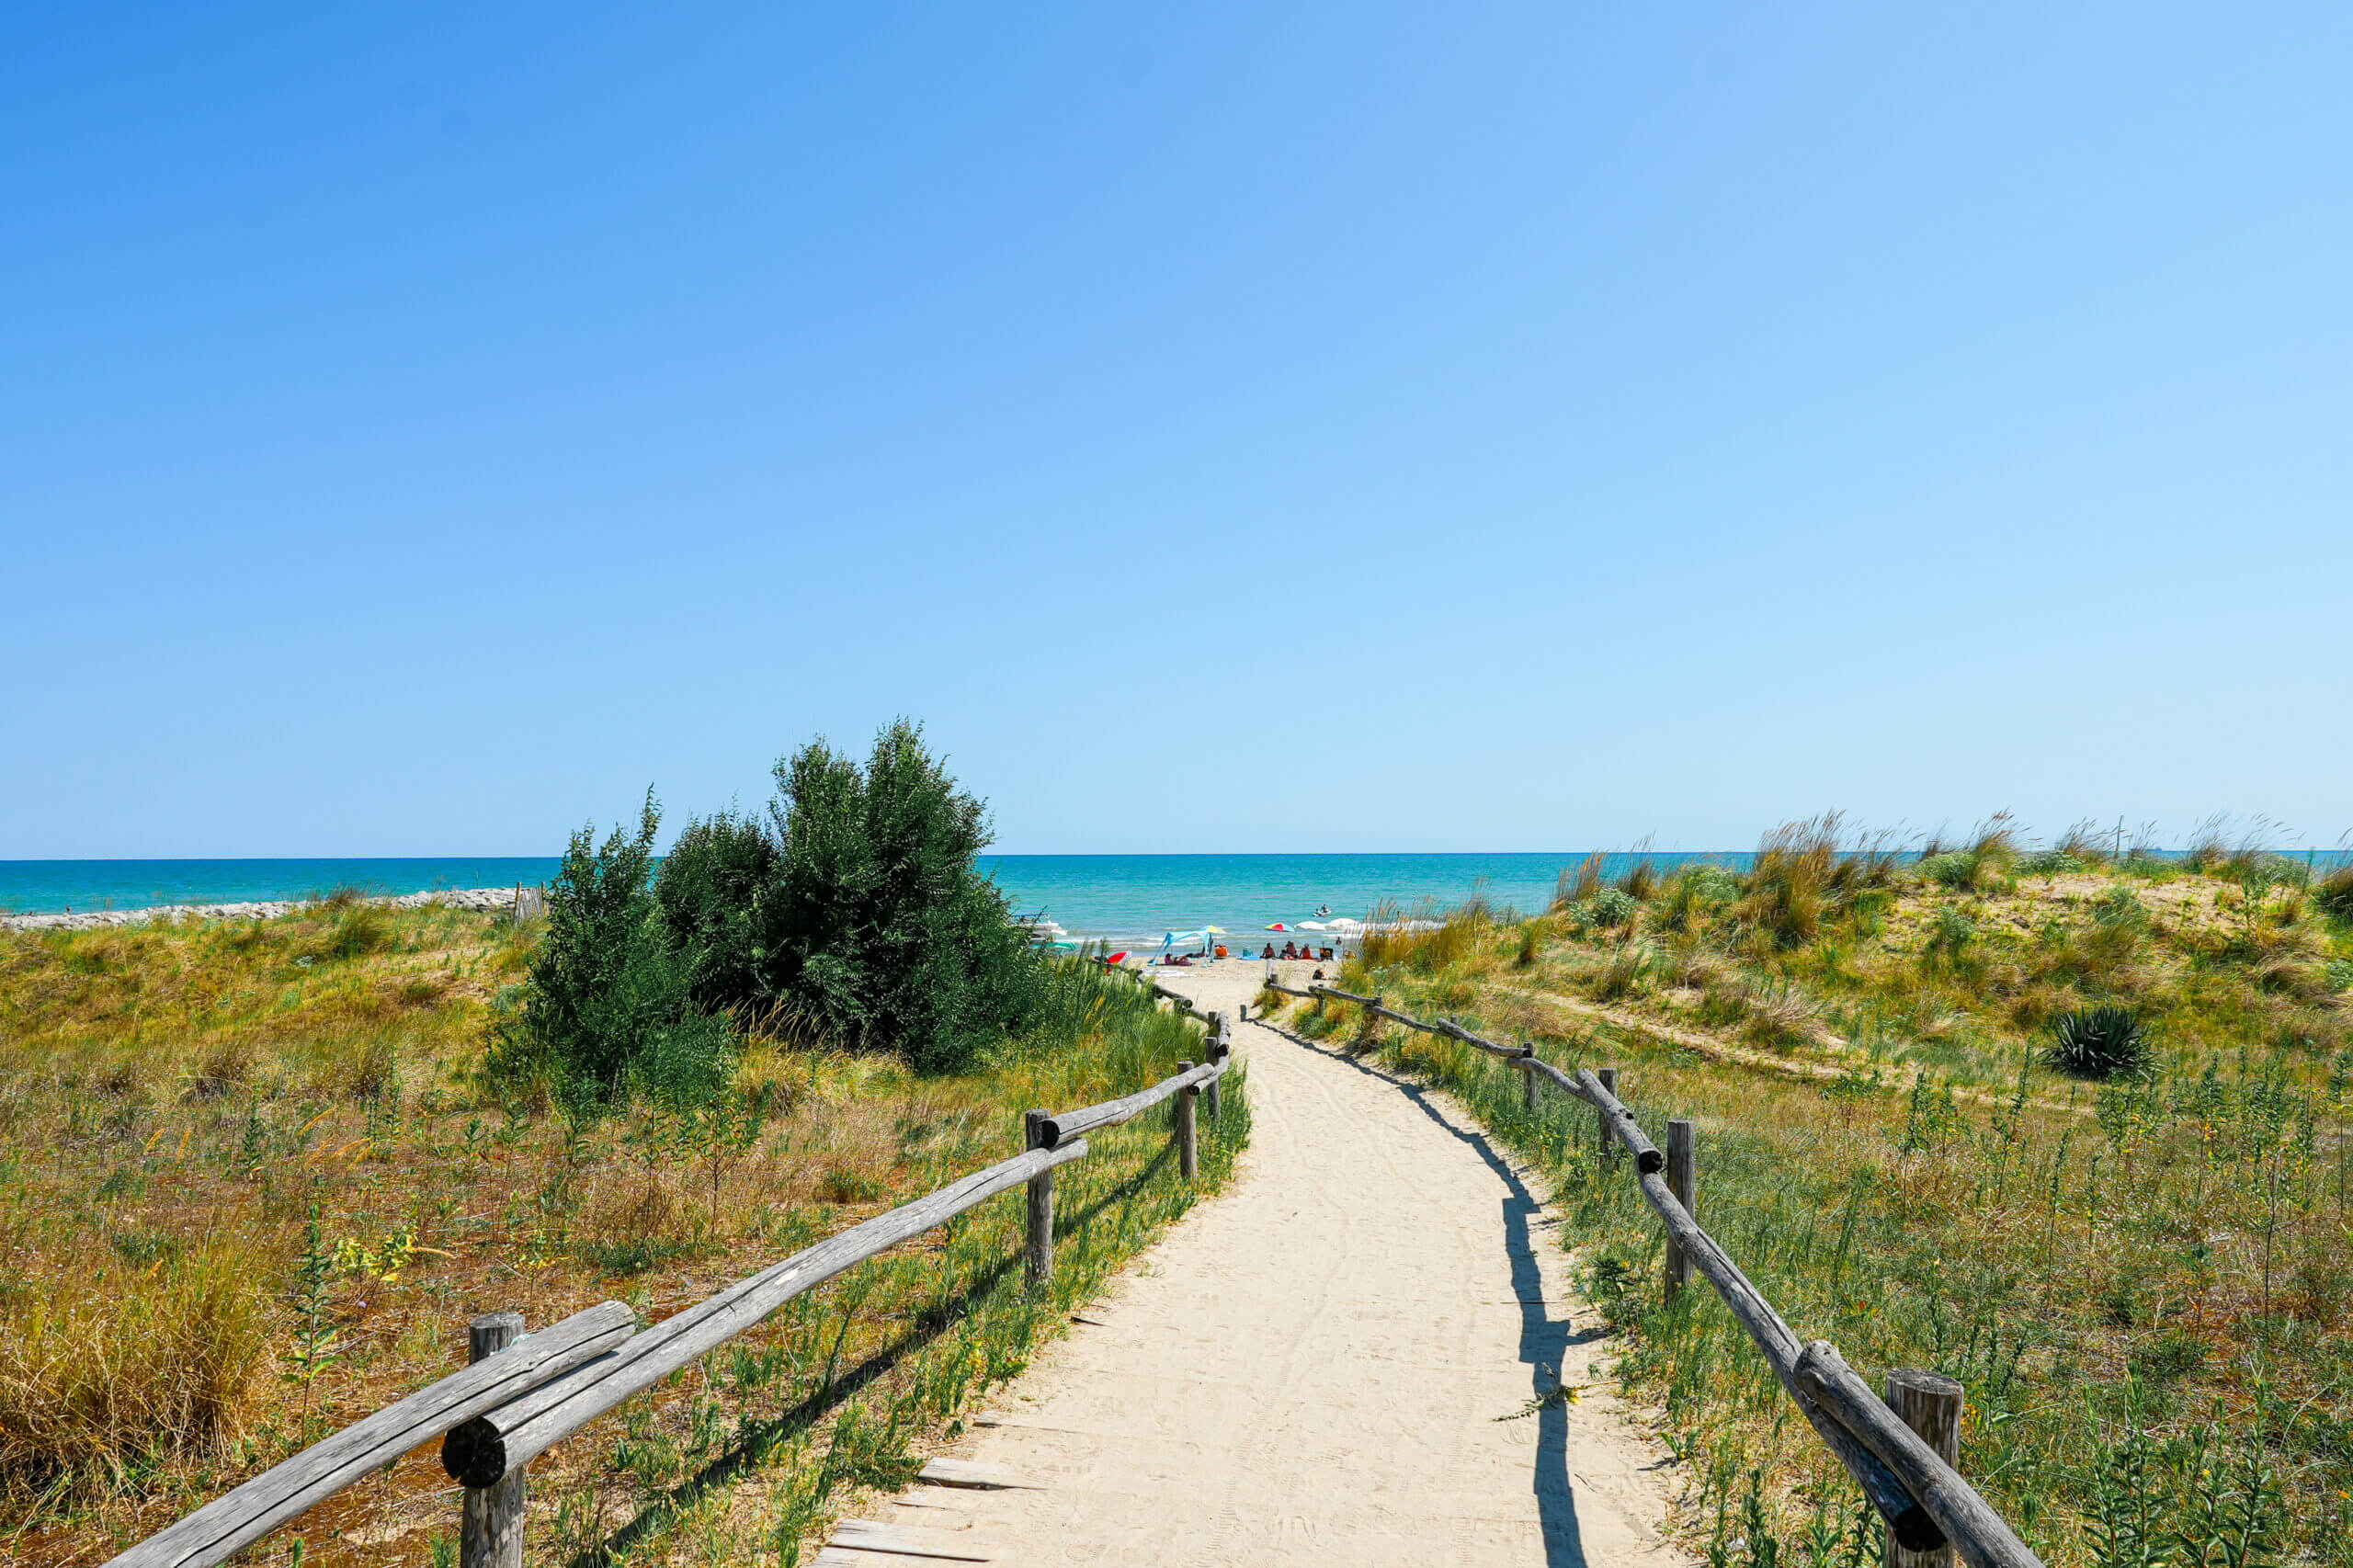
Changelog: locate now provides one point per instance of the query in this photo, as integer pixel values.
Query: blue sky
(1348, 427)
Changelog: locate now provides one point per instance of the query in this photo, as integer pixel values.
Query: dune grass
(2144, 1282)
(253, 1185)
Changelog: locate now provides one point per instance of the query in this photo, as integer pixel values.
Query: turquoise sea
(1124, 898)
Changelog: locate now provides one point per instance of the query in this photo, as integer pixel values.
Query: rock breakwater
(488, 901)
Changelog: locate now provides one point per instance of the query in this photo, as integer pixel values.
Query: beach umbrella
(1279, 926)
(1314, 926)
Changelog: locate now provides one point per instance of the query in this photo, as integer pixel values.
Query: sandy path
(1310, 1367)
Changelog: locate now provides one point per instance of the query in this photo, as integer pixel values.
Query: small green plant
(1950, 936)
(317, 1345)
(1611, 908)
(2100, 1042)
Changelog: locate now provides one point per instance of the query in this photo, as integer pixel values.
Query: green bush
(2100, 1042)
(1953, 869)
(1610, 908)
(608, 1005)
(884, 934)
(857, 916)
(717, 894)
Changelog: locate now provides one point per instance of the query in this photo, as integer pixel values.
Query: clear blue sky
(1227, 427)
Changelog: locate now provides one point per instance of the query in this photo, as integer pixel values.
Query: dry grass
(2145, 1286)
(175, 1101)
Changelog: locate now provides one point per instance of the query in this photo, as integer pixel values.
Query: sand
(1312, 1367)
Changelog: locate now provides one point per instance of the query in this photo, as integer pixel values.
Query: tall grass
(2145, 1285)
(177, 1104)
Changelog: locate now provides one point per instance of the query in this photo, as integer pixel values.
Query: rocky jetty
(489, 901)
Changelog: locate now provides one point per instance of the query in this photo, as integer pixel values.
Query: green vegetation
(609, 1003)
(2143, 1280)
(256, 1176)
(2100, 1042)
(856, 918)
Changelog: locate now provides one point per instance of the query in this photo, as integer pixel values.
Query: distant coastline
(481, 900)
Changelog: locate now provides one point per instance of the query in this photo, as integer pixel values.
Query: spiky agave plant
(2100, 1042)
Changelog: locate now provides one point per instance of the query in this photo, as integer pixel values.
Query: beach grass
(2143, 1282)
(254, 1185)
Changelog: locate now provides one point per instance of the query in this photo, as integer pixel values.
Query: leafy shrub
(1952, 870)
(716, 894)
(2339, 975)
(1611, 907)
(2052, 862)
(1691, 894)
(2100, 1042)
(608, 1005)
(885, 935)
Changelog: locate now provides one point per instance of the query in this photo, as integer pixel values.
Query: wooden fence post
(490, 1530)
(1682, 1177)
(1527, 1078)
(1217, 1049)
(1604, 1150)
(1040, 1252)
(1930, 1406)
(1189, 1148)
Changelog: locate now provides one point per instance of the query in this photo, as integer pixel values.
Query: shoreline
(481, 901)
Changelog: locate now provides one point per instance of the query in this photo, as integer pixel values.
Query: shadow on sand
(1544, 1341)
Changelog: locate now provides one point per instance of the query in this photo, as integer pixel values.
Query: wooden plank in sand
(982, 1477)
(868, 1534)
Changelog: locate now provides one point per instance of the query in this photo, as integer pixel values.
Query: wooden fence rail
(521, 1395)
(1926, 1504)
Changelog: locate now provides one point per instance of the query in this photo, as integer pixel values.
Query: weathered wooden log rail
(520, 1396)
(1886, 1445)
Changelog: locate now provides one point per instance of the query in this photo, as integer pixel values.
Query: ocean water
(1140, 898)
(1123, 898)
(50, 887)
(1126, 899)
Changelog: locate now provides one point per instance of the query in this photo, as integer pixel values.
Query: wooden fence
(522, 1394)
(1901, 1451)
